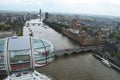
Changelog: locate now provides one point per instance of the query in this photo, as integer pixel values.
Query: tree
(118, 57)
(112, 35)
(103, 50)
(118, 37)
(113, 54)
(84, 28)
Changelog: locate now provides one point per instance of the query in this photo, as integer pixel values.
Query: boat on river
(105, 62)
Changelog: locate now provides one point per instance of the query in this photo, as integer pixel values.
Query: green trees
(4, 27)
(103, 50)
(8, 26)
(118, 37)
(21, 32)
(113, 54)
(112, 35)
(55, 26)
(118, 57)
(84, 28)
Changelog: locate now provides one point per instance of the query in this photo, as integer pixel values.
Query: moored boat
(105, 62)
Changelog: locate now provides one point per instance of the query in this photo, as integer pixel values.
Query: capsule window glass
(19, 56)
(38, 43)
(2, 50)
(46, 42)
(43, 50)
(49, 49)
(19, 53)
(39, 54)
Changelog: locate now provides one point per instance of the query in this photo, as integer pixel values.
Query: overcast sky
(101, 7)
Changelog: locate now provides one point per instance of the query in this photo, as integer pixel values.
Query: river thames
(73, 67)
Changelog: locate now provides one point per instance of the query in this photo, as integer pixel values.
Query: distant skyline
(98, 7)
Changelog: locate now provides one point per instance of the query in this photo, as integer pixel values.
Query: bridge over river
(73, 50)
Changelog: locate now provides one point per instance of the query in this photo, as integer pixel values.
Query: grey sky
(102, 7)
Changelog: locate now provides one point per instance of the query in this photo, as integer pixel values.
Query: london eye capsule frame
(24, 53)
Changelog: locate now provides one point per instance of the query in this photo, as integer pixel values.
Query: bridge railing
(72, 50)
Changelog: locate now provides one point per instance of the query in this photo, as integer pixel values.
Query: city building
(81, 36)
(46, 16)
(40, 14)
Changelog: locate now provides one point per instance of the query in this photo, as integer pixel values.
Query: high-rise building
(46, 16)
(40, 14)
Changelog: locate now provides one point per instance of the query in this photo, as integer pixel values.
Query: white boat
(45, 27)
(105, 62)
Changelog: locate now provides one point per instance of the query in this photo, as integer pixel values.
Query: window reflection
(2, 49)
(20, 56)
(39, 54)
(38, 43)
(1, 58)
(44, 51)
(46, 42)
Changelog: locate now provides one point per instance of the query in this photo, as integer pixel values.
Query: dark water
(79, 67)
(74, 67)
